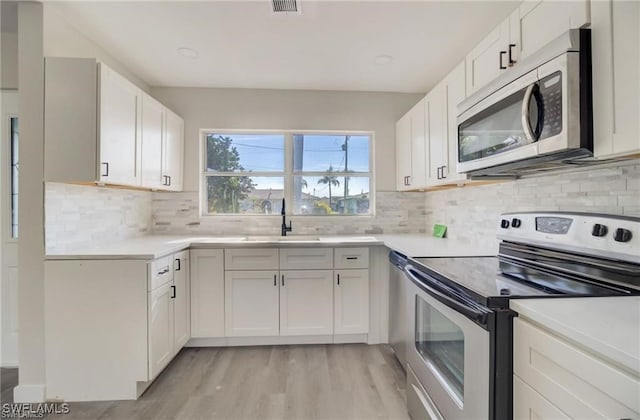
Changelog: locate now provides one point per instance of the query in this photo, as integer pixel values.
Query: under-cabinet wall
(78, 215)
(471, 213)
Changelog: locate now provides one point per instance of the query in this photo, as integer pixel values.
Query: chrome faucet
(284, 227)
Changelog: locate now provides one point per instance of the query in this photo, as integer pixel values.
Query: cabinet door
(182, 299)
(119, 129)
(403, 152)
(161, 342)
(536, 23)
(207, 292)
(436, 113)
(306, 302)
(529, 405)
(419, 152)
(456, 93)
(616, 85)
(173, 151)
(251, 303)
(152, 127)
(351, 293)
(484, 61)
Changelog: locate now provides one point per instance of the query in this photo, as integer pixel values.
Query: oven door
(449, 348)
(536, 114)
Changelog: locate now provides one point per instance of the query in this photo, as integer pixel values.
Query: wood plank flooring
(346, 381)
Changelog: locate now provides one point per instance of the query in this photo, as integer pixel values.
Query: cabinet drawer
(306, 259)
(251, 259)
(352, 257)
(160, 272)
(576, 381)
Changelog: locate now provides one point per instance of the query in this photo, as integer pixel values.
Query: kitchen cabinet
(306, 302)
(554, 375)
(207, 292)
(153, 121)
(251, 303)
(182, 300)
(351, 301)
(411, 149)
(530, 27)
(101, 128)
(161, 328)
(615, 41)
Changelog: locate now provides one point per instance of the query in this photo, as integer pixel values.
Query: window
(14, 176)
(317, 173)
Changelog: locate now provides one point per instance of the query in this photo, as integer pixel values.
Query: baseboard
(276, 340)
(350, 338)
(29, 394)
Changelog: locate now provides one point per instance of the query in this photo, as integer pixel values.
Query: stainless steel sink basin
(292, 238)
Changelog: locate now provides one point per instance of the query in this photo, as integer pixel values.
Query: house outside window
(317, 173)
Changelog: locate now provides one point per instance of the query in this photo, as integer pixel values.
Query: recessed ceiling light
(382, 60)
(188, 52)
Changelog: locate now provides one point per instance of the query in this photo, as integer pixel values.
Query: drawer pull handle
(165, 271)
(352, 258)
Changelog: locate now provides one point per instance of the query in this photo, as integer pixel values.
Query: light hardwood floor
(350, 381)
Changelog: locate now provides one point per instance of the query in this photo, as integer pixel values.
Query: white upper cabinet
(616, 77)
(411, 149)
(173, 151)
(119, 124)
(456, 93)
(536, 23)
(489, 58)
(530, 27)
(153, 118)
(100, 127)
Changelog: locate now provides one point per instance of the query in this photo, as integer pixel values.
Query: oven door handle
(480, 317)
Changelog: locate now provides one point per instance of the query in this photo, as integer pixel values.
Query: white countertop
(156, 246)
(608, 326)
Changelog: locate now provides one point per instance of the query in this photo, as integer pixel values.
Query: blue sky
(265, 153)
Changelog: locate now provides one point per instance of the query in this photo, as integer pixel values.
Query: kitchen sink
(292, 238)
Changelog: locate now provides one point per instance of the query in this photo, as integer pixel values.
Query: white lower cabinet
(207, 293)
(181, 300)
(351, 301)
(553, 378)
(161, 331)
(306, 302)
(251, 303)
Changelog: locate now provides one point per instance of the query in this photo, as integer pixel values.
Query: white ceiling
(331, 45)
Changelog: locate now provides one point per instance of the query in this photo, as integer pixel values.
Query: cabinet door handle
(179, 265)
(106, 169)
(169, 178)
(283, 279)
(338, 279)
(408, 179)
(438, 171)
(502, 53)
(443, 175)
(275, 279)
(511, 60)
(173, 291)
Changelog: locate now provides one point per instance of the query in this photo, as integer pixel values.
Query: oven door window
(440, 343)
(498, 129)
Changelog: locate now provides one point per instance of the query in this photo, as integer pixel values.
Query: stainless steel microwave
(535, 117)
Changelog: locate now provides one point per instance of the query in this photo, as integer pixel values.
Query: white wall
(63, 40)
(288, 109)
(8, 45)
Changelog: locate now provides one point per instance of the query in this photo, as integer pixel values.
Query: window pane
(318, 153)
(14, 177)
(245, 152)
(331, 195)
(244, 194)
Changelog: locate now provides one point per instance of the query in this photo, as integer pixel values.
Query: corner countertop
(607, 326)
(155, 246)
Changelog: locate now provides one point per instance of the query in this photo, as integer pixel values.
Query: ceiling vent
(285, 6)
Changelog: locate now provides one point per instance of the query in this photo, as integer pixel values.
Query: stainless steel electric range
(459, 355)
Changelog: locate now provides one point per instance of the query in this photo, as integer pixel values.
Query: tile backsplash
(177, 213)
(78, 215)
(471, 213)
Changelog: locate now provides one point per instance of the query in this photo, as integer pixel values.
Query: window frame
(288, 173)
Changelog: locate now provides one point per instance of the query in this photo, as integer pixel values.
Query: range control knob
(504, 224)
(505, 292)
(599, 230)
(622, 235)
(516, 223)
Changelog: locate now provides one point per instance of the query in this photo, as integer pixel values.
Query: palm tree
(329, 180)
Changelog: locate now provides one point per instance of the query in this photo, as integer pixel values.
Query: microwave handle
(528, 131)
